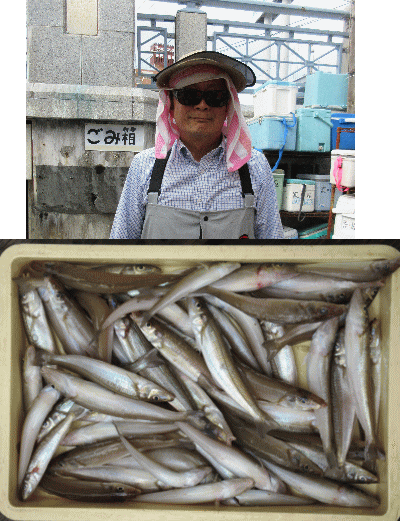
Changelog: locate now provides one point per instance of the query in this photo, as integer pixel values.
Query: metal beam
(268, 8)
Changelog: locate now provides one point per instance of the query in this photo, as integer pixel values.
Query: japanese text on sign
(114, 137)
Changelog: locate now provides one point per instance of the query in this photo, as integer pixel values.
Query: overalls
(166, 222)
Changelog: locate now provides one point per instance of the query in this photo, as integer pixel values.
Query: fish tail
(148, 360)
(198, 420)
(41, 356)
(332, 459)
(370, 457)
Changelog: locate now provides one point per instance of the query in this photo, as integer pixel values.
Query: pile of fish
(181, 386)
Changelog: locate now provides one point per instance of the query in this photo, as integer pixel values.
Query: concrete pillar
(190, 32)
(284, 67)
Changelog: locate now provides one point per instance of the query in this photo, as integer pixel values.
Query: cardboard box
(45, 507)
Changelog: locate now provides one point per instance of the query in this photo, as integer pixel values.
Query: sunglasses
(192, 97)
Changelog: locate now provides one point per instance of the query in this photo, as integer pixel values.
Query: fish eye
(323, 311)
(156, 398)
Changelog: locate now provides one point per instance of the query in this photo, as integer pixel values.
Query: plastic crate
(275, 98)
(345, 218)
(290, 233)
(324, 89)
(42, 506)
(268, 132)
(313, 130)
(347, 139)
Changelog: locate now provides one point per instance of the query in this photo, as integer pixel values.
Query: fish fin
(271, 349)
(197, 419)
(337, 473)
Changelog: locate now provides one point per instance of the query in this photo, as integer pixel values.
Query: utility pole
(351, 60)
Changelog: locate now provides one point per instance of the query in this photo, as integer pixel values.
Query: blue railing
(274, 52)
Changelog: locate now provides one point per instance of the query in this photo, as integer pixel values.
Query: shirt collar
(217, 152)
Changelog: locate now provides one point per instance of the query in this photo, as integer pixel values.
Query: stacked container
(298, 195)
(313, 130)
(274, 124)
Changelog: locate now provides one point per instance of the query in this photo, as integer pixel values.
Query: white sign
(114, 137)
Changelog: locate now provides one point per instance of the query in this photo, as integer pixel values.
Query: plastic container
(315, 232)
(347, 139)
(323, 191)
(268, 132)
(345, 218)
(324, 89)
(344, 176)
(293, 193)
(42, 506)
(279, 176)
(275, 98)
(313, 130)
(290, 233)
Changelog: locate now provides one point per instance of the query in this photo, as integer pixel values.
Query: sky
(377, 98)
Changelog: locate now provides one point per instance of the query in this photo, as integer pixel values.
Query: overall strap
(245, 180)
(157, 174)
(159, 168)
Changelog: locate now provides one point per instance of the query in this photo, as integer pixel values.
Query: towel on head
(238, 150)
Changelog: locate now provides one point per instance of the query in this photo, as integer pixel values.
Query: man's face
(200, 122)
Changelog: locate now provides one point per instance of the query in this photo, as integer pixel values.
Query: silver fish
(37, 413)
(375, 351)
(218, 491)
(202, 276)
(284, 311)
(188, 478)
(359, 271)
(32, 382)
(219, 361)
(358, 365)
(324, 490)
(318, 377)
(96, 397)
(74, 330)
(108, 375)
(34, 316)
(42, 456)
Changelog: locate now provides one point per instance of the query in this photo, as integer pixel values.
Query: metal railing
(274, 52)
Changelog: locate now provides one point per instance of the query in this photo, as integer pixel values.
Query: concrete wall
(80, 70)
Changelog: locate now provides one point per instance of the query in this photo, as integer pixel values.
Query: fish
(70, 323)
(34, 316)
(97, 281)
(106, 430)
(33, 421)
(307, 286)
(188, 478)
(96, 397)
(219, 491)
(294, 335)
(284, 311)
(375, 352)
(230, 457)
(318, 378)
(202, 276)
(273, 448)
(357, 271)
(250, 277)
(84, 490)
(251, 329)
(255, 497)
(343, 409)
(108, 375)
(42, 455)
(32, 382)
(220, 363)
(358, 364)
(323, 489)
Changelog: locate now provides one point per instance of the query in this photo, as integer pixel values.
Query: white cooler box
(275, 98)
(292, 195)
(345, 177)
(345, 218)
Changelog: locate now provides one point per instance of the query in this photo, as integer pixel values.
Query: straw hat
(242, 76)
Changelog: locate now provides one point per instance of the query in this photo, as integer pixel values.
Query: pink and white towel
(238, 136)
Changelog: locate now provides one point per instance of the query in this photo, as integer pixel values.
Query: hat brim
(241, 75)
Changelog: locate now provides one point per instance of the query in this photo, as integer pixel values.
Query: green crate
(279, 176)
(314, 232)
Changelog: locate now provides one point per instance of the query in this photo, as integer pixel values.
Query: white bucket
(292, 193)
(343, 168)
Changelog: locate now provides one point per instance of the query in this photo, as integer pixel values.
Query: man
(202, 180)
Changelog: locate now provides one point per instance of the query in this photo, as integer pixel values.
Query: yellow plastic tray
(45, 507)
